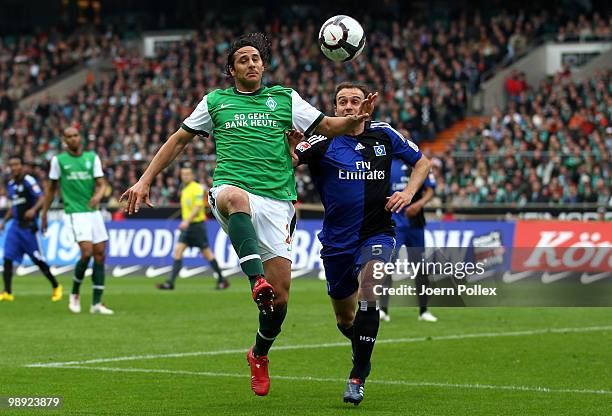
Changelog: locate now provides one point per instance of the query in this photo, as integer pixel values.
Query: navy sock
(7, 275)
(44, 268)
(366, 325)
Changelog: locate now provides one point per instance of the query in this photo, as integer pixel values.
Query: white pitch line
(327, 345)
(340, 380)
(231, 271)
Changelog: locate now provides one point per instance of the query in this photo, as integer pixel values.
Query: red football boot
(263, 295)
(260, 380)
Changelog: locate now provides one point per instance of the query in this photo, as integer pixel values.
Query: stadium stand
(425, 73)
(551, 145)
(28, 63)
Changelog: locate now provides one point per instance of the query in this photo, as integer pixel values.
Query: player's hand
(366, 108)
(183, 225)
(43, 222)
(93, 202)
(1, 227)
(398, 201)
(368, 104)
(135, 196)
(294, 137)
(412, 210)
(29, 214)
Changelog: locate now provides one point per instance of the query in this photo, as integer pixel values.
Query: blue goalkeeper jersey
(353, 177)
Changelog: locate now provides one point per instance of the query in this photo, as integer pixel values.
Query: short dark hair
(346, 85)
(187, 165)
(257, 40)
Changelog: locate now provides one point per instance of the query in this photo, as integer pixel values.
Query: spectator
(424, 72)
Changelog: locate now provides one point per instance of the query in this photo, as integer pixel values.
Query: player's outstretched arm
(399, 200)
(139, 193)
(52, 186)
(337, 126)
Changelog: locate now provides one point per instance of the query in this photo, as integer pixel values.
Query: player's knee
(86, 255)
(238, 202)
(99, 257)
(345, 318)
(366, 289)
(281, 299)
(367, 284)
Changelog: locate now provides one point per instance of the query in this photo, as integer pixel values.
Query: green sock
(244, 239)
(79, 274)
(98, 282)
(269, 328)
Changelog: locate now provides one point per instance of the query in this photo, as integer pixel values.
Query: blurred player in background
(193, 230)
(254, 182)
(410, 231)
(352, 172)
(25, 198)
(79, 175)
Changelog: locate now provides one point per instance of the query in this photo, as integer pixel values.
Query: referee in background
(193, 230)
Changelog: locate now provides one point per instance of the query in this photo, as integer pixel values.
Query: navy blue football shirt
(23, 195)
(353, 177)
(400, 176)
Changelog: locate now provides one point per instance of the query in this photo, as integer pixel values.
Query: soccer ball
(341, 38)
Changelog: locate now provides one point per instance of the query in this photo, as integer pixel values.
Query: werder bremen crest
(271, 103)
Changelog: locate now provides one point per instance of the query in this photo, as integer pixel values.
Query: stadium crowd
(585, 29)
(424, 73)
(29, 62)
(552, 144)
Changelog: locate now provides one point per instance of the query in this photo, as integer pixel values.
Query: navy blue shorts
(20, 241)
(195, 235)
(342, 266)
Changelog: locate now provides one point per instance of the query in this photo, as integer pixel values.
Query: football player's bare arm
(139, 193)
(31, 213)
(418, 176)
(399, 200)
(99, 189)
(167, 153)
(52, 186)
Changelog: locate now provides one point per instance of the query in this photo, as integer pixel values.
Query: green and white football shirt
(77, 177)
(249, 129)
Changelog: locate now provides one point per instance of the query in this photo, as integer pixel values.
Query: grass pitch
(183, 353)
